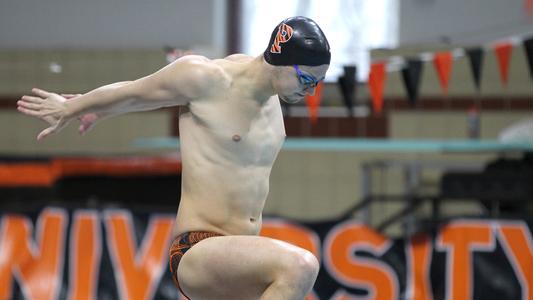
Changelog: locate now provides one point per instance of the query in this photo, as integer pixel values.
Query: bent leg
(247, 267)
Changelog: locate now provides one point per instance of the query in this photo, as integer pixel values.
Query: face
(294, 82)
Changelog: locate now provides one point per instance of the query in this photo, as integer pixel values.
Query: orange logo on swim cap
(284, 35)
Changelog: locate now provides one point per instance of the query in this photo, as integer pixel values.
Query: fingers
(46, 132)
(52, 129)
(33, 109)
(29, 105)
(29, 112)
(84, 128)
(31, 99)
(41, 93)
(36, 110)
(86, 124)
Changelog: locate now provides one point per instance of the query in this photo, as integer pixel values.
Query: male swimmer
(231, 130)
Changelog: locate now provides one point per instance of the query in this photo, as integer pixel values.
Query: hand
(49, 107)
(87, 121)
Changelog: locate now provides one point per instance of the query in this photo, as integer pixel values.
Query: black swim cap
(297, 41)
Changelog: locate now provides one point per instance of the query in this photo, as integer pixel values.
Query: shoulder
(239, 57)
(199, 73)
(199, 66)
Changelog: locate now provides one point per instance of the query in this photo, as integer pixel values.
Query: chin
(291, 100)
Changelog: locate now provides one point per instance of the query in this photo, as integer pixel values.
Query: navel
(236, 138)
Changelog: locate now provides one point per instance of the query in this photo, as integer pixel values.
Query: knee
(301, 265)
(309, 264)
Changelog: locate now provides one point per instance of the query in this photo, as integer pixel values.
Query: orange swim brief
(181, 244)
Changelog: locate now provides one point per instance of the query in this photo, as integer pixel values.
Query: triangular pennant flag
(503, 54)
(347, 84)
(411, 77)
(528, 46)
(376, 82)
(476, 64)
(313, 103)
(443, 63)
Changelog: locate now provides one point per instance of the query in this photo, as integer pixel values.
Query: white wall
(351, 27)
(98, 24)
(465, 22)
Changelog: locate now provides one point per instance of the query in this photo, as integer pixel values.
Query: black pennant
(476, 64)
(411, 78)
(528, 46)
(348, 87)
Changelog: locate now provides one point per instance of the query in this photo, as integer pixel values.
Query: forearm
(102, 115)
(116, 84)
(106, 101)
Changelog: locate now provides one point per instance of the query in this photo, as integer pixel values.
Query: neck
(260, 74)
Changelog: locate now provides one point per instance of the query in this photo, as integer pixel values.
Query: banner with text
(64, 253)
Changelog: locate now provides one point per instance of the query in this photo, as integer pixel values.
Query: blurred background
(424, 118)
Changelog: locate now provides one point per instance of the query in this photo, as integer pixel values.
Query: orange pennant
(313, 103)
(443, 63)
(528, 5)
(503, 53)
(376, 82)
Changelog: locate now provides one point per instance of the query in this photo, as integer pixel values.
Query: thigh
(233, 267)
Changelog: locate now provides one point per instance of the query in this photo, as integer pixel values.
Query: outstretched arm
(179, 83)
(88, 121)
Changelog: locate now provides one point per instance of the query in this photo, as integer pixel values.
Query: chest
(247, 131)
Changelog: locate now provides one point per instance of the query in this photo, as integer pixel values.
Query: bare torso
(229, 142)
(231, 130)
